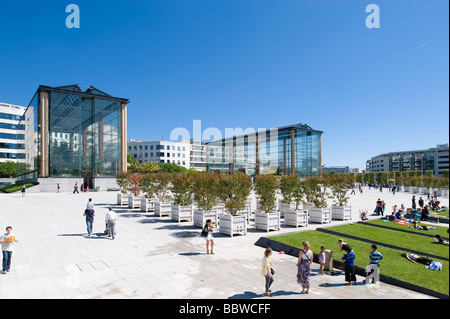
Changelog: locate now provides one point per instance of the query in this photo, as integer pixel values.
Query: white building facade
(12, 135)
(435, 159)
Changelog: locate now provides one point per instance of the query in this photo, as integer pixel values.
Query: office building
(435, 159)
(294, 149)
(160, 152)
(12, 134)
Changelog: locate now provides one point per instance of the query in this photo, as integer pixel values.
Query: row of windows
(10, 126)
(160, 154)
(12, 155)
(168, 161)
(158, 147)
(12, 136)
(11, 146)
(13, 117)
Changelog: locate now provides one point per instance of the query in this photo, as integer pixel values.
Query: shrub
(266, 189)
(233, 191)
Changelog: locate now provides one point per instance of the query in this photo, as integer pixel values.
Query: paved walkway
(153, 257)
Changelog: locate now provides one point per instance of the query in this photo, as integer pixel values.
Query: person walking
(379, 207)
(266, 270)
(110, 219)
(23, 190)
(304, 266)
(75, 188)
(421, 202)
(413, 204)
(208, 229)
(349, 262)
(7, 240)
(89, 213)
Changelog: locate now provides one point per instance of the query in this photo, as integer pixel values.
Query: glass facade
(72, 132)
(269, 152)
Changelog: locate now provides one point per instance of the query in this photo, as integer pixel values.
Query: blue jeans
(89, 224)
(7, 255)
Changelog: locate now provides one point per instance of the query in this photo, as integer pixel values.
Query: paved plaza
(154, 257)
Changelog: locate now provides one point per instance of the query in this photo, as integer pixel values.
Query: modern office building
(435, 159)
(75, 132)
(186, 153)
(160, 152)
(12, 134)
(291, 149)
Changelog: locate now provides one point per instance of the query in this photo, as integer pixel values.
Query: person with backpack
(207, 234)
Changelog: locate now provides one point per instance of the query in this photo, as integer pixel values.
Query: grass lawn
(15, 188)
(442, 214)
(390, 237)
(441, 229)
(393, 264)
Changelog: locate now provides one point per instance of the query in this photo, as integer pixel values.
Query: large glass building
(73, 131)
(294, 149)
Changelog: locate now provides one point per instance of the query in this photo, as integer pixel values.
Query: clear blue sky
(246, 63)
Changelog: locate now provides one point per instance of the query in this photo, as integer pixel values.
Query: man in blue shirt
(375, 256)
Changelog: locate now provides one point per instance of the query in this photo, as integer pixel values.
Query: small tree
(162, 186)
(148, 185)
(293, 189)
(233, 191)
(134, 183)
(266, 189)
(123, 182)
(339, 184)
(205, 186)
(317, 192)
(182, 189)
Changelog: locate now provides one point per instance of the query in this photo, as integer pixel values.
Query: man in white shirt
(111, 223)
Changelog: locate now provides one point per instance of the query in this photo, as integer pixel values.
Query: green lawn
(442, 231)
(406, 240)
(393, 265)
(15, 188)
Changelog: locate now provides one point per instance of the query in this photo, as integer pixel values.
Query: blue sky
(246, 63)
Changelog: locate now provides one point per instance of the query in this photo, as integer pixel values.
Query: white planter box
(308, 205)
(287, 207)
(417, 190)
(201, 216)
(134, 201)
(427, 191)
(444, 192)
(162, 208)
(407, 189)
(122, 199)
(180, 213)
(147, 204)
(296, 218)
(341, 212)
(219, 208)
(439, 192)
(233, 225)
(319, 215)
(267, 221)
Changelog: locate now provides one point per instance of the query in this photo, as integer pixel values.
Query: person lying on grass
(415, 226)
(439, 240)
(414, 258)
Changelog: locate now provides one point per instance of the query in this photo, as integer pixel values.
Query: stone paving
(154, 257)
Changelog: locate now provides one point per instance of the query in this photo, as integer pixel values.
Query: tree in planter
(134, 181)
(317, 192)
(266, 188)
(123, 182)
(182, 189)
(339, 184)
(162, 187)
(293, 189)
(205, 189)
(233, 191)
(148, 185)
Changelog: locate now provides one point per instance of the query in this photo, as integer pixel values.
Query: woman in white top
(266, 270)
(304, 266)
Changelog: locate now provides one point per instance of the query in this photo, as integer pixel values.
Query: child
(209, 237)
(322, 259)
(7, 240)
